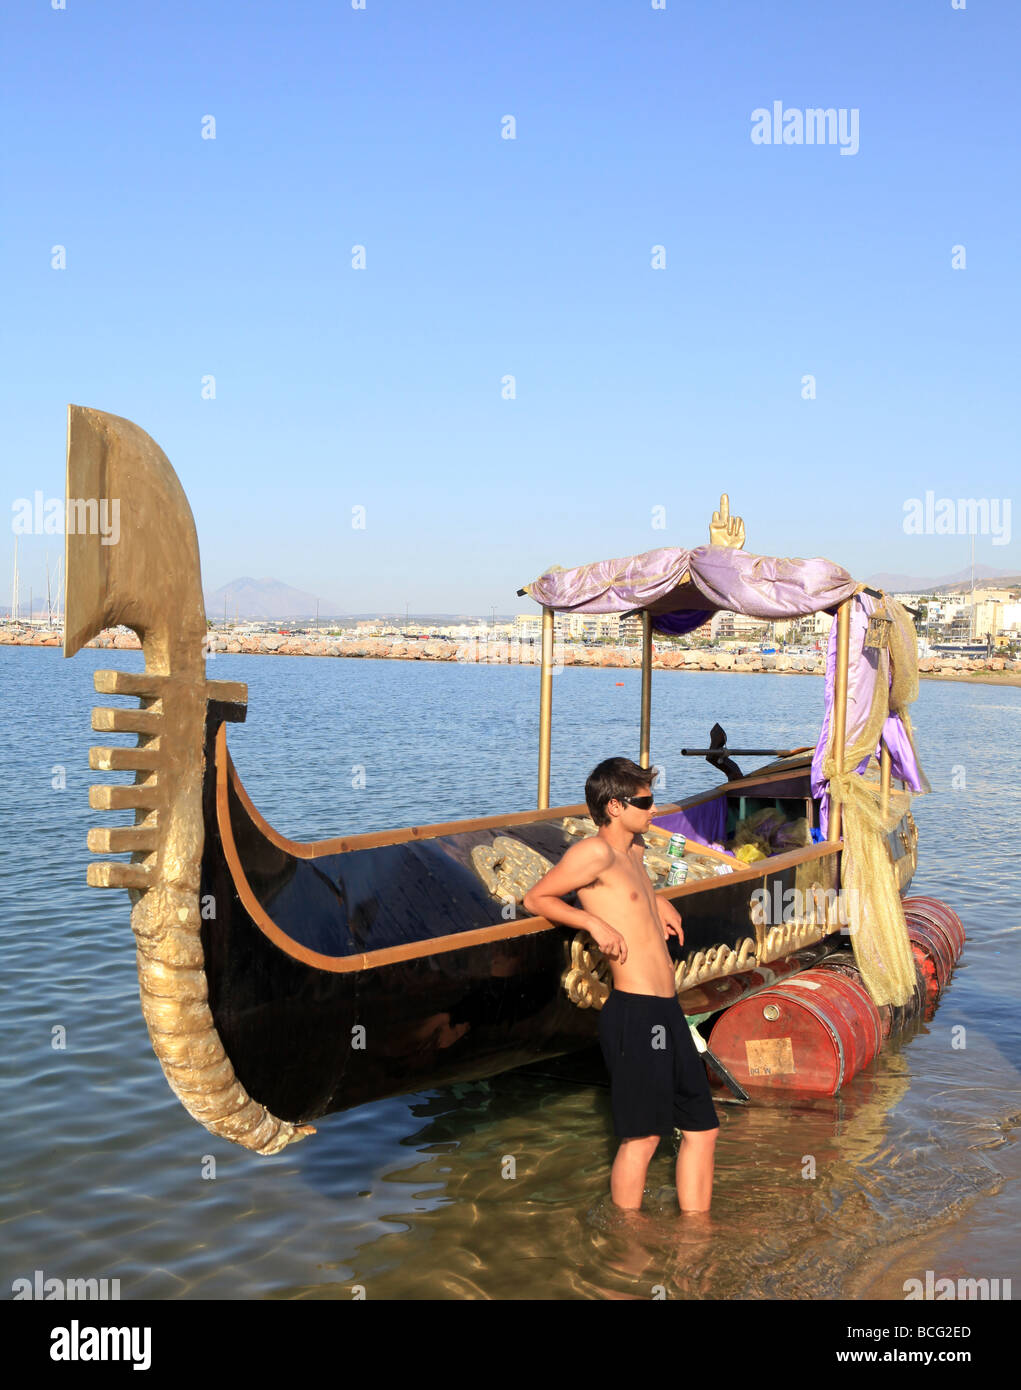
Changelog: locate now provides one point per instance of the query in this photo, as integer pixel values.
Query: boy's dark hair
(615, 777)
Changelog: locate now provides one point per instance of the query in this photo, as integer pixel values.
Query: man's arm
(670, 918)
(580, 865)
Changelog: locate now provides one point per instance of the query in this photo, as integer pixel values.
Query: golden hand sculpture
(725, 529)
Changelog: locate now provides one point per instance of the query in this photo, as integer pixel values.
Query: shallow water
(498, 1189)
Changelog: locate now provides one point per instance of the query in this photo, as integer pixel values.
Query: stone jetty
(503, 650)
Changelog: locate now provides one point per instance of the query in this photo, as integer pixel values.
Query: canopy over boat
(682, 589)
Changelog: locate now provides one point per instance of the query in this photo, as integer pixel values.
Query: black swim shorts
(657, 1078)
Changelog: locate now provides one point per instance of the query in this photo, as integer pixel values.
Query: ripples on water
(102, 1169)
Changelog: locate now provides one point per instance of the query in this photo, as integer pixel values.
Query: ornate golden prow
(140, 568)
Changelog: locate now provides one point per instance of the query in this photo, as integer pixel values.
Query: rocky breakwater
(39, 637)
(992, 666)
(503, 650)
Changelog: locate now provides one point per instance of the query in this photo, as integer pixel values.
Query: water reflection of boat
(282, 980)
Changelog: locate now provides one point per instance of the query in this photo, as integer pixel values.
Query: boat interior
(333, 902)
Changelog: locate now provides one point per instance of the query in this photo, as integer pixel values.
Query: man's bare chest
(625, 878)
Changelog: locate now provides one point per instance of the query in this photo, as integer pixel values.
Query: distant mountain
(908, 584)
(263, 598)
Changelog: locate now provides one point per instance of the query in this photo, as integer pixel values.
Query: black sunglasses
(640, 803)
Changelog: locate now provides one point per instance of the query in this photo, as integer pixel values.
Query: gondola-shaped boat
(281, 981)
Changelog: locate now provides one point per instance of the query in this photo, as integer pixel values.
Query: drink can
(678, 874)
(676, 846)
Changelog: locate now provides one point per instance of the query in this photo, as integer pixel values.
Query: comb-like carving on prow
(144, 797)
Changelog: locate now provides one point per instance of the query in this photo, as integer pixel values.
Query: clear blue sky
(636, 387)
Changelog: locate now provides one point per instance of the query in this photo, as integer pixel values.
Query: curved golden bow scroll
(144, 573)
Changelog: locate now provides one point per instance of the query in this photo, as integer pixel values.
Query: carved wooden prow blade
(132, 558)
(145, 573)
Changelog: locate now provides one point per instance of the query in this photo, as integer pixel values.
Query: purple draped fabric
(903, 762)
(757, 586)
(864, 667)
(705, 823)
(677, 624)
(760, 586)
(612, 586)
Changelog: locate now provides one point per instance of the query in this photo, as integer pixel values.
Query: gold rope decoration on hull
(149, 580)
(587, 981)
(714, 963)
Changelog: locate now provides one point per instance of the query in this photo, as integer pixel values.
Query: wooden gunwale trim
(457, 941)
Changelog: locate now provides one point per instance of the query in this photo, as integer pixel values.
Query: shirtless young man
(657, 1079)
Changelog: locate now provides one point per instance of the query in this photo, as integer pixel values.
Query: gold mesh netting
(879, 933)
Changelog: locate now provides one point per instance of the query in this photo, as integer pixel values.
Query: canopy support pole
(840, 706)
(885, 766)
(643, 755)
(545, 708)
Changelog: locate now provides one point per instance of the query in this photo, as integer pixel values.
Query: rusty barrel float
(814, 1031)
(936, 934)
(810, 1033)
(894, 1016)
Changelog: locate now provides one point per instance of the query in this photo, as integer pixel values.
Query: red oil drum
(944, 909)
(915, 1006)
(805, 1034)
(867, 1027)
(926, 966)
(943, 913)
(844, 963)
(933, 956)
(932, 909)
(925, 918)
(936, 942)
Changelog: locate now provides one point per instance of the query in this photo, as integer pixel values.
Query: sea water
(495, 1189)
